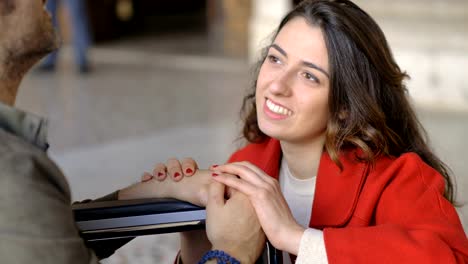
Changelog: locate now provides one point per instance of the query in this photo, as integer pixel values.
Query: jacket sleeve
(105, 248)
(36, 221)
(412, 223)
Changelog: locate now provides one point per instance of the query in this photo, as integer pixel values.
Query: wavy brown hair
(368, 101)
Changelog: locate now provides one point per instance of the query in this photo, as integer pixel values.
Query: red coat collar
(336, 192)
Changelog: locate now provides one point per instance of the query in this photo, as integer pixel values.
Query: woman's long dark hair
(368, 104)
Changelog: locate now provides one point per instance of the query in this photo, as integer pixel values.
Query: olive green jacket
(36, 220)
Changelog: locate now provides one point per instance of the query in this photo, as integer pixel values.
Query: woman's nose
(281, 84)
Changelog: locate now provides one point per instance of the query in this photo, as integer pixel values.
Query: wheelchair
(123, 220)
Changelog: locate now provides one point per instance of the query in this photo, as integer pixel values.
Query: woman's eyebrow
(279, 49)
(306, 63)
(314, 66)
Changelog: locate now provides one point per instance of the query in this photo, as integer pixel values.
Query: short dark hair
(6, 7)
(368, 103)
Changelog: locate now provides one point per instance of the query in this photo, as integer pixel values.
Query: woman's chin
(273, 132)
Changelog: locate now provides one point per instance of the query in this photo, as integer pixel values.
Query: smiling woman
(293, 85)
(337, 165)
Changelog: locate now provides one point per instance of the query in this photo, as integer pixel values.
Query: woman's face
(293, 85)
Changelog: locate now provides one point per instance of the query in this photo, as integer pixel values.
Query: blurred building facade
(429, 39)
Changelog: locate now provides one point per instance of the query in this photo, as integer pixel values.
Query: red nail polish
(176, 175)
(160, 174)
(214, 174)
(189, 171)
(214, 166)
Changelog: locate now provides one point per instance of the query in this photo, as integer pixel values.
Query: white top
(299, 195)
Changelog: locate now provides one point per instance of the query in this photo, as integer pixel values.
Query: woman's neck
(303, 159)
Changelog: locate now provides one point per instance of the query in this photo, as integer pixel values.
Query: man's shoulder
(26, 160)
(16, 150)
(12, 143)
(36, 215)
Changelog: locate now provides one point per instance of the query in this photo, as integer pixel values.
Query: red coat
(393, 212)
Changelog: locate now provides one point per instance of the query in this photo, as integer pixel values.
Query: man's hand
(232, 225)
(264, 193)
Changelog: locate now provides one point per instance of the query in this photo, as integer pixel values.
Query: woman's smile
(275, 110)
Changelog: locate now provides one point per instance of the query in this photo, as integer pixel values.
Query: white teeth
(278, 109)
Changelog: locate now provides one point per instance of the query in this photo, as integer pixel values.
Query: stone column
(236, 19)
(429, 39)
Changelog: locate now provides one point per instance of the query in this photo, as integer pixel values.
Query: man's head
(26, 35)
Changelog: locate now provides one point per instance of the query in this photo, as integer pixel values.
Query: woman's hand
(192, 189)
(232, 225)
(174, 168)
(266, 197)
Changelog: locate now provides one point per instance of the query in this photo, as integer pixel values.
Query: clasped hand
(231, 223)
(263, 192)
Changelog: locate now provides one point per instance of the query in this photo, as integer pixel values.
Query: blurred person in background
(81, 39)
(337, 165)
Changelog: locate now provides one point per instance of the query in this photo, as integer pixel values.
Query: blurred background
(166, 79)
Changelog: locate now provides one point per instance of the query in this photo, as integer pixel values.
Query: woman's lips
(277, 108)
(276, 111)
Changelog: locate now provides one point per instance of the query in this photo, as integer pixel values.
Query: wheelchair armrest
(114, 220)
(130, 218)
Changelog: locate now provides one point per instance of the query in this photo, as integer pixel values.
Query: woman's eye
(309, 76)
(273, 59)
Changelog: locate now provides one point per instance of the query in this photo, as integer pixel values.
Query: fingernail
(189, 171)
(214, 174)
(160, 174)
(147, 178)
(176, 175)
(214, 166)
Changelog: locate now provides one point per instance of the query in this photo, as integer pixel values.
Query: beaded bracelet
(221, 256)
